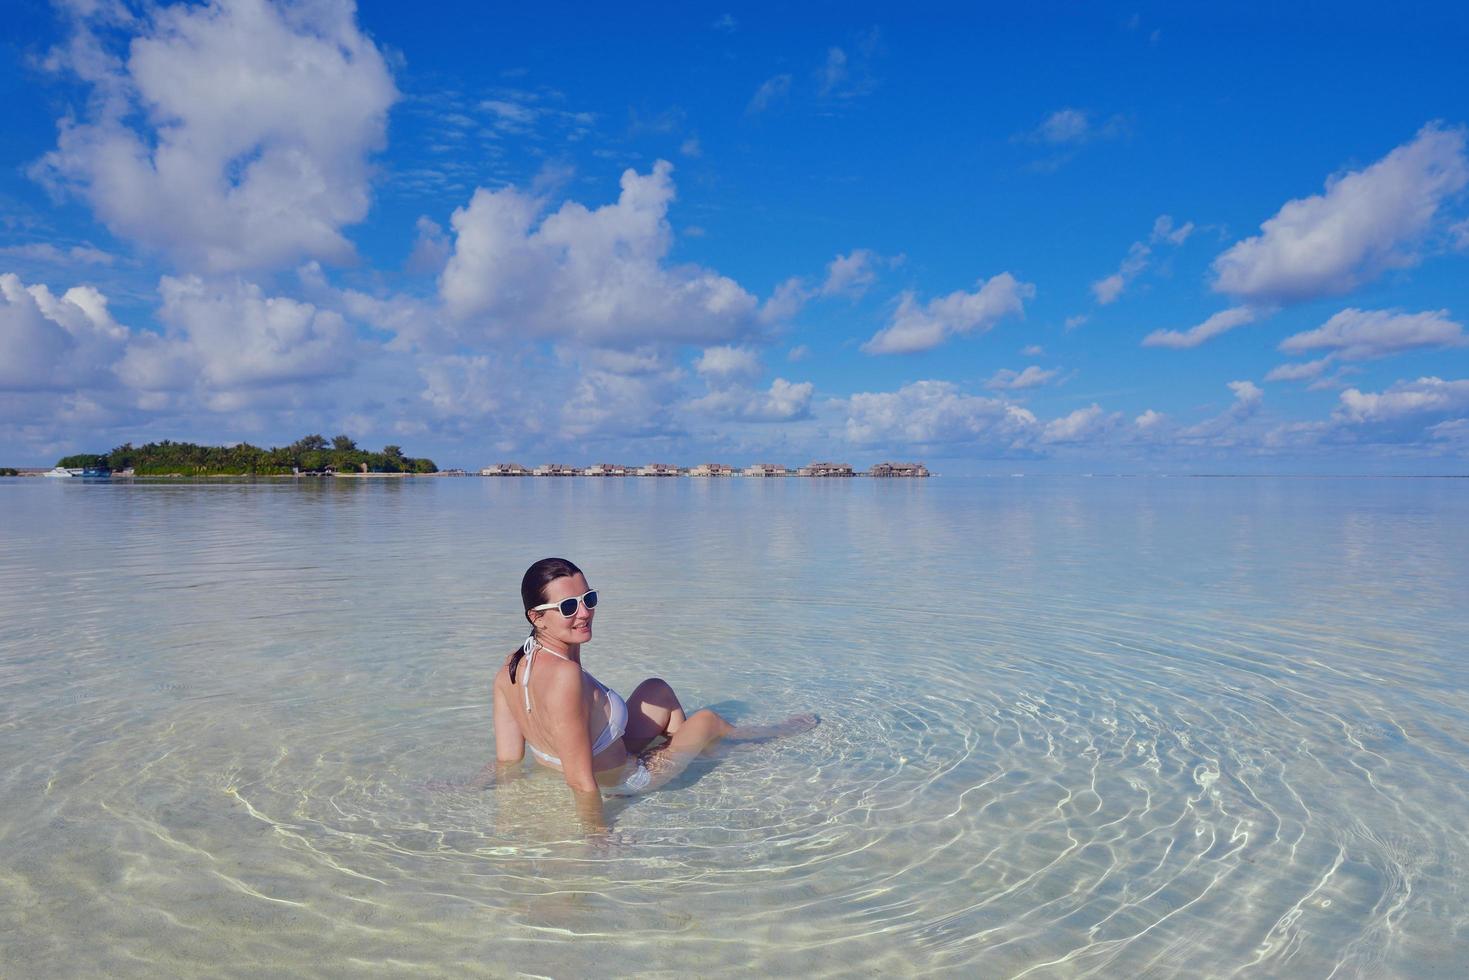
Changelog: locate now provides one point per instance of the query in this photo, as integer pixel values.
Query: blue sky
(1113, 239)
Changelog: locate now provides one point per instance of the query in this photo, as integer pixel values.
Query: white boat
(62, 472)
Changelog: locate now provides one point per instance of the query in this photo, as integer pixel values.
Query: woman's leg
(698, 731)
(652, 711)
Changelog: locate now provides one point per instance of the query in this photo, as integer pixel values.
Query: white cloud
(833, 73)
(1404, 399)
(236, 134)
(463, 385)
(230, 335)
(935, 412)
(1072, 127)
(1079, 426)
(1229, 427)
(1459, 235)
(788, 299)
(1367, 221)
(1064, 126)
(784, 401)
(770, 90)
(1031, 377)
(850, 274)
(1106, 290)
(1165, 231)
(1306, 370)
(597, 275)
(1247, 396)
(514, 117)
(1072, 322)
(1360, 335)
(691, 148)
(1221, 322)
(431, 248)
(916, 327)
(1139, 256)
(1149, 420)
(1363, 335)
(51, 254)
(798, 353)
(1033, 350)
(728, 362)
(52, 343)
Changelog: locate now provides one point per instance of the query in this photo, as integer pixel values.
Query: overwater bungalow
(766, 469)
(899, 469)
(504, 469)
(712, 469)
(607, 469)
(556, 469)
(660, 469)
(826, 469)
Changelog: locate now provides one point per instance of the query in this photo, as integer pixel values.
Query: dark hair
(533, 592)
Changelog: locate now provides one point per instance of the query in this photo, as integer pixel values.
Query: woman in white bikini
(545, 700)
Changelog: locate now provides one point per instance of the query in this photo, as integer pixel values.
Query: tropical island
(312, 454)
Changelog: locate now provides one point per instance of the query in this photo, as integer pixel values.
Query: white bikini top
(616, 706)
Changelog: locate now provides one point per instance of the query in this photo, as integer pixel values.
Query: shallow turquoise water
(1070, 727)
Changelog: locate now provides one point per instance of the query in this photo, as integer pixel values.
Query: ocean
(1070, 727)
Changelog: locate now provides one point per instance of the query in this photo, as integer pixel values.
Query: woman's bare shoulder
(502, 676)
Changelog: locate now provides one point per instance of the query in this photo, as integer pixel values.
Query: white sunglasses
(567, 606)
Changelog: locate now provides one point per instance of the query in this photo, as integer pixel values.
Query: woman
(544, 699)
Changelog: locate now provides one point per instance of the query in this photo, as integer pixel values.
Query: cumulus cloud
(594, 274)
(1149, 420)
(728, 362)
(1247, 397)
(788, 299)
(464, 385)
(1079, 426)
(1031, 377)
(850, 274)
(235, 134)
(231, 335)
(1221, 322)
(1228, 427)
(1403, 400)
(784, 401)
(1365, 222)
(919, 326)
(927, 412)
(430, 249)
(50, 342)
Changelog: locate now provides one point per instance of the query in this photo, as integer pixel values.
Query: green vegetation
(311, 454)
(9, 471)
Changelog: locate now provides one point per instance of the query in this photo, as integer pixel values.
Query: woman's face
(552, 625)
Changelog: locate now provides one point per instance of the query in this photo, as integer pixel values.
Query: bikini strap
(530, 647)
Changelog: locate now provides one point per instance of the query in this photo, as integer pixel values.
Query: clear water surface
(1071, 727)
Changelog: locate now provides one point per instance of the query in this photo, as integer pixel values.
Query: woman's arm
(509, 740)
(566, 716)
